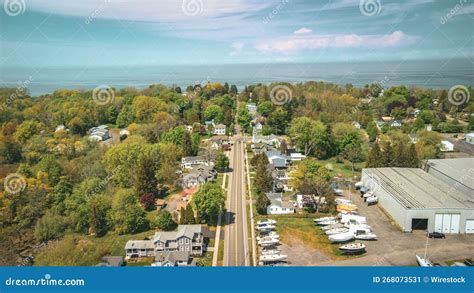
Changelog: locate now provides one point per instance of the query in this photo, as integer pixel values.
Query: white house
(252, 108)
(446, 146)
(296, 157)
(219, 129)
(191, 162)
(278, 206)
(470, 138)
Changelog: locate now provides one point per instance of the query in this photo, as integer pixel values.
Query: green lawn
(80, 250)
(302, 227)
(344, 168)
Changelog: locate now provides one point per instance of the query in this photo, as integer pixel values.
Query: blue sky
(181, 32)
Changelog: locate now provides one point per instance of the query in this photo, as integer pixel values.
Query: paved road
(236, 251)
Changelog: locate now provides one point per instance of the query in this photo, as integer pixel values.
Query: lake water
(427, 73)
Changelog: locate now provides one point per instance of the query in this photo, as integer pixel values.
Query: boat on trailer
(333, 226)
(366, 236)
(324, 219)
(343, 237)
(353, 247)
(337, 231)
(272, 258)
(270, 251)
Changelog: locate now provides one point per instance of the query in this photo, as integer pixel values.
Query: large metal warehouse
(420, 200)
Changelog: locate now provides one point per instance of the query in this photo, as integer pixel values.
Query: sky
(188, 32)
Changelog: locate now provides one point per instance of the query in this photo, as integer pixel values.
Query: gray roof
(457, 169)
(172, 256)
(276, 199)
(139, 244)
(194, 159)
(183, 230)
(414, 188)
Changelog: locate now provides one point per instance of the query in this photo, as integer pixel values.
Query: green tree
(214, 112)
(265, 108)
(262, 203)
(221, 162)
(164, 221)
(187, 144)
(306, 134)
(209, 202)
(372, 130)
(182, 216)
(375, 157)
(128, 217)
(190, 215)
(278, 120)
(51, 226)
(98, 210)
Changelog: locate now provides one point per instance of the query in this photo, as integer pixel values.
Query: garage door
(470, 226)
(447, 223)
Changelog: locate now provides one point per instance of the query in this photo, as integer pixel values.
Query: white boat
(358, 227)
(341, 237)
(366, 236)
(334, 226)
(353, 219)
(339, 192)
(265, 227)
(353, 247)
(324, 219)
(358, 185)
(372, 200)
(272, 234)
(273, 257)
(328, 222)
(268, 241)
(270, 251)
(266, 222)
(423, 262)
(337, 231)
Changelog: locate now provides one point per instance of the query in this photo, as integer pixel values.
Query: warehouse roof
(414, 188)
(460, 170)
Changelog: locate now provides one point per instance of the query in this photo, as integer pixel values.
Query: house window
(181, 241)
(187, 248)
(187, 241)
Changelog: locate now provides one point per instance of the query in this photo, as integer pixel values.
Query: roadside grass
(302, 228)
(81, 250)
(220, 254)
(344, 168)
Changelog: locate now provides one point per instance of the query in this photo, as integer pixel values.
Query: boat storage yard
(440, 199)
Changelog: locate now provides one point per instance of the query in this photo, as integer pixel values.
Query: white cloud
(304, 42)
(303, 31)
(236, 48)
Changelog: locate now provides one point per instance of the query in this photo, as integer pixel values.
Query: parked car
(436, 235)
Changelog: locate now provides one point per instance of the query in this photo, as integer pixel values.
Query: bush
(164, 221)
(50, 227)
